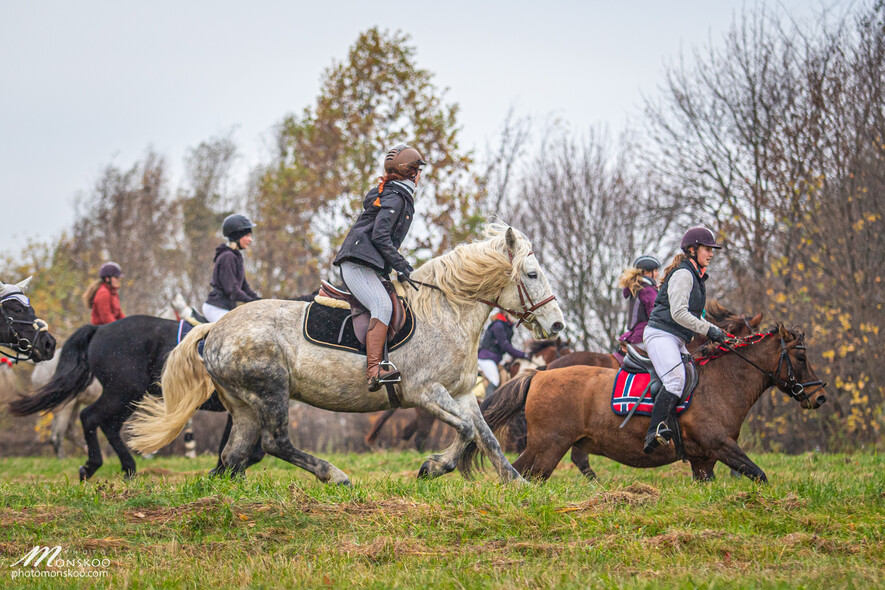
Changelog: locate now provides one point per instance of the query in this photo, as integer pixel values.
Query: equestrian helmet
(403, 160)
(647, 262)
(236, 226)
(110, 269)
(699, 236)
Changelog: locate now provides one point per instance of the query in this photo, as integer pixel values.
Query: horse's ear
(782, 331)
(510, 239)
(23, 285)
(756, 320)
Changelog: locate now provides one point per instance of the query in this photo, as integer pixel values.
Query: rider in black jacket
(372, 248)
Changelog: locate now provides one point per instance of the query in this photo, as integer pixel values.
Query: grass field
(820, 523)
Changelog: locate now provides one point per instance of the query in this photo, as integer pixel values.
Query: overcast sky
(88, 83)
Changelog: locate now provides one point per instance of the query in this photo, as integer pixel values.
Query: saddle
(330, 321)
(359, 315)
(637, 363)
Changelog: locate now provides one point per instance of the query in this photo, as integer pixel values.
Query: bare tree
(589, 213)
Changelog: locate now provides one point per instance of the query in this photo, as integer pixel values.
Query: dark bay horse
(126, 357)
(572, 406)
(540, 352)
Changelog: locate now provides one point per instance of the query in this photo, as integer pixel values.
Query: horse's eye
(532, 275)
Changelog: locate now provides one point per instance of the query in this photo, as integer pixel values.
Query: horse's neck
(746, 382)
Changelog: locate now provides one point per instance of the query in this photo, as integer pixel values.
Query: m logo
(47, 553)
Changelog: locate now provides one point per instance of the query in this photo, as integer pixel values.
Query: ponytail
(677, 260)
(89, 295)
(382, 180)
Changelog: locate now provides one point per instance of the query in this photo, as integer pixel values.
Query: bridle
(791, 386)
(526, 315)
(12, 340)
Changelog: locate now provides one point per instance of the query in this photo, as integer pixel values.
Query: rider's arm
(391, 206)
(504, 343)
(647, 296)
(248, 291)
(227, 279)
(679, 290)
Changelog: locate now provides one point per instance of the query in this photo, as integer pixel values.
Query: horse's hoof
(336, 476)
(424, 472)
(83, 473)
(128, 475)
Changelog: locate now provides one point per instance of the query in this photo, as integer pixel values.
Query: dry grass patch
(30, 516)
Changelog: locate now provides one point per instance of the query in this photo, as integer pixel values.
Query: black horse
(126, 356)
(21, 331)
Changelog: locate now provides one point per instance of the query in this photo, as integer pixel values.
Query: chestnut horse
(736, 325)
(572, 406)
(541, 352)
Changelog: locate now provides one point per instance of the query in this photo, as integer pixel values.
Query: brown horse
(572, 406)
(541, 352)
(736, 325)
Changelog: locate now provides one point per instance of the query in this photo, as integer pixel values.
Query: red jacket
(106, 306)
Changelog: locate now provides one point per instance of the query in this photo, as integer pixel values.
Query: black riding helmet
(236, 226)
(648, 263)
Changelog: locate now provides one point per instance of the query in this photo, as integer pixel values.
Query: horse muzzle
(44, 347)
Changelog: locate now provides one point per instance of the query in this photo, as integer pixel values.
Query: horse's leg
(255, 456)
(423, 425)
(61, 421)
(732, 455)
(582, 462)
(190, 445)
(111, 428)
(376, 428)
(241, 434)
(91, 418)
(463, 414)
(273, 412)
(542, 455)
(702, 468)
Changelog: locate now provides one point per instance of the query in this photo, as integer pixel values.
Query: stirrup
(393, 373)
(664, 437)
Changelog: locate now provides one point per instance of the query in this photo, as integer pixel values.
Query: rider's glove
(716, 335)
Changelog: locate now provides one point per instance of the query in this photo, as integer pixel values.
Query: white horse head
(500, 271)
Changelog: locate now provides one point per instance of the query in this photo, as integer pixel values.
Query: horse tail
(498, 409)
(72, 376)
(186, 386)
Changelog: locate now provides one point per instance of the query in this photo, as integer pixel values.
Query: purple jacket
(496, 341)
(639, 310)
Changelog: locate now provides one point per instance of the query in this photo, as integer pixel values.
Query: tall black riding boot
(658, 431)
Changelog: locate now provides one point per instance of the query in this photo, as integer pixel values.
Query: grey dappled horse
(256, 357)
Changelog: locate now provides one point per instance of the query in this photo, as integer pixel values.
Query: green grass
(820, 523)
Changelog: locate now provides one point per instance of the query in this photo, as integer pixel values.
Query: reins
(790, 385)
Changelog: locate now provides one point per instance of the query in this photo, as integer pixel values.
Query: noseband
(12, 339)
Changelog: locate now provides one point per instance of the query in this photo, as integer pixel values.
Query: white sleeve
(679, 290)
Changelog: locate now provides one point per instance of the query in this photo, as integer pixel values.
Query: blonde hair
(478, 270)
(89, 294)
(631, 279)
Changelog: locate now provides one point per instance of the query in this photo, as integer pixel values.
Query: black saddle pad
(322, 326)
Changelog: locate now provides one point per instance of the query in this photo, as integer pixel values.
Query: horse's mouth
(814, 404)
